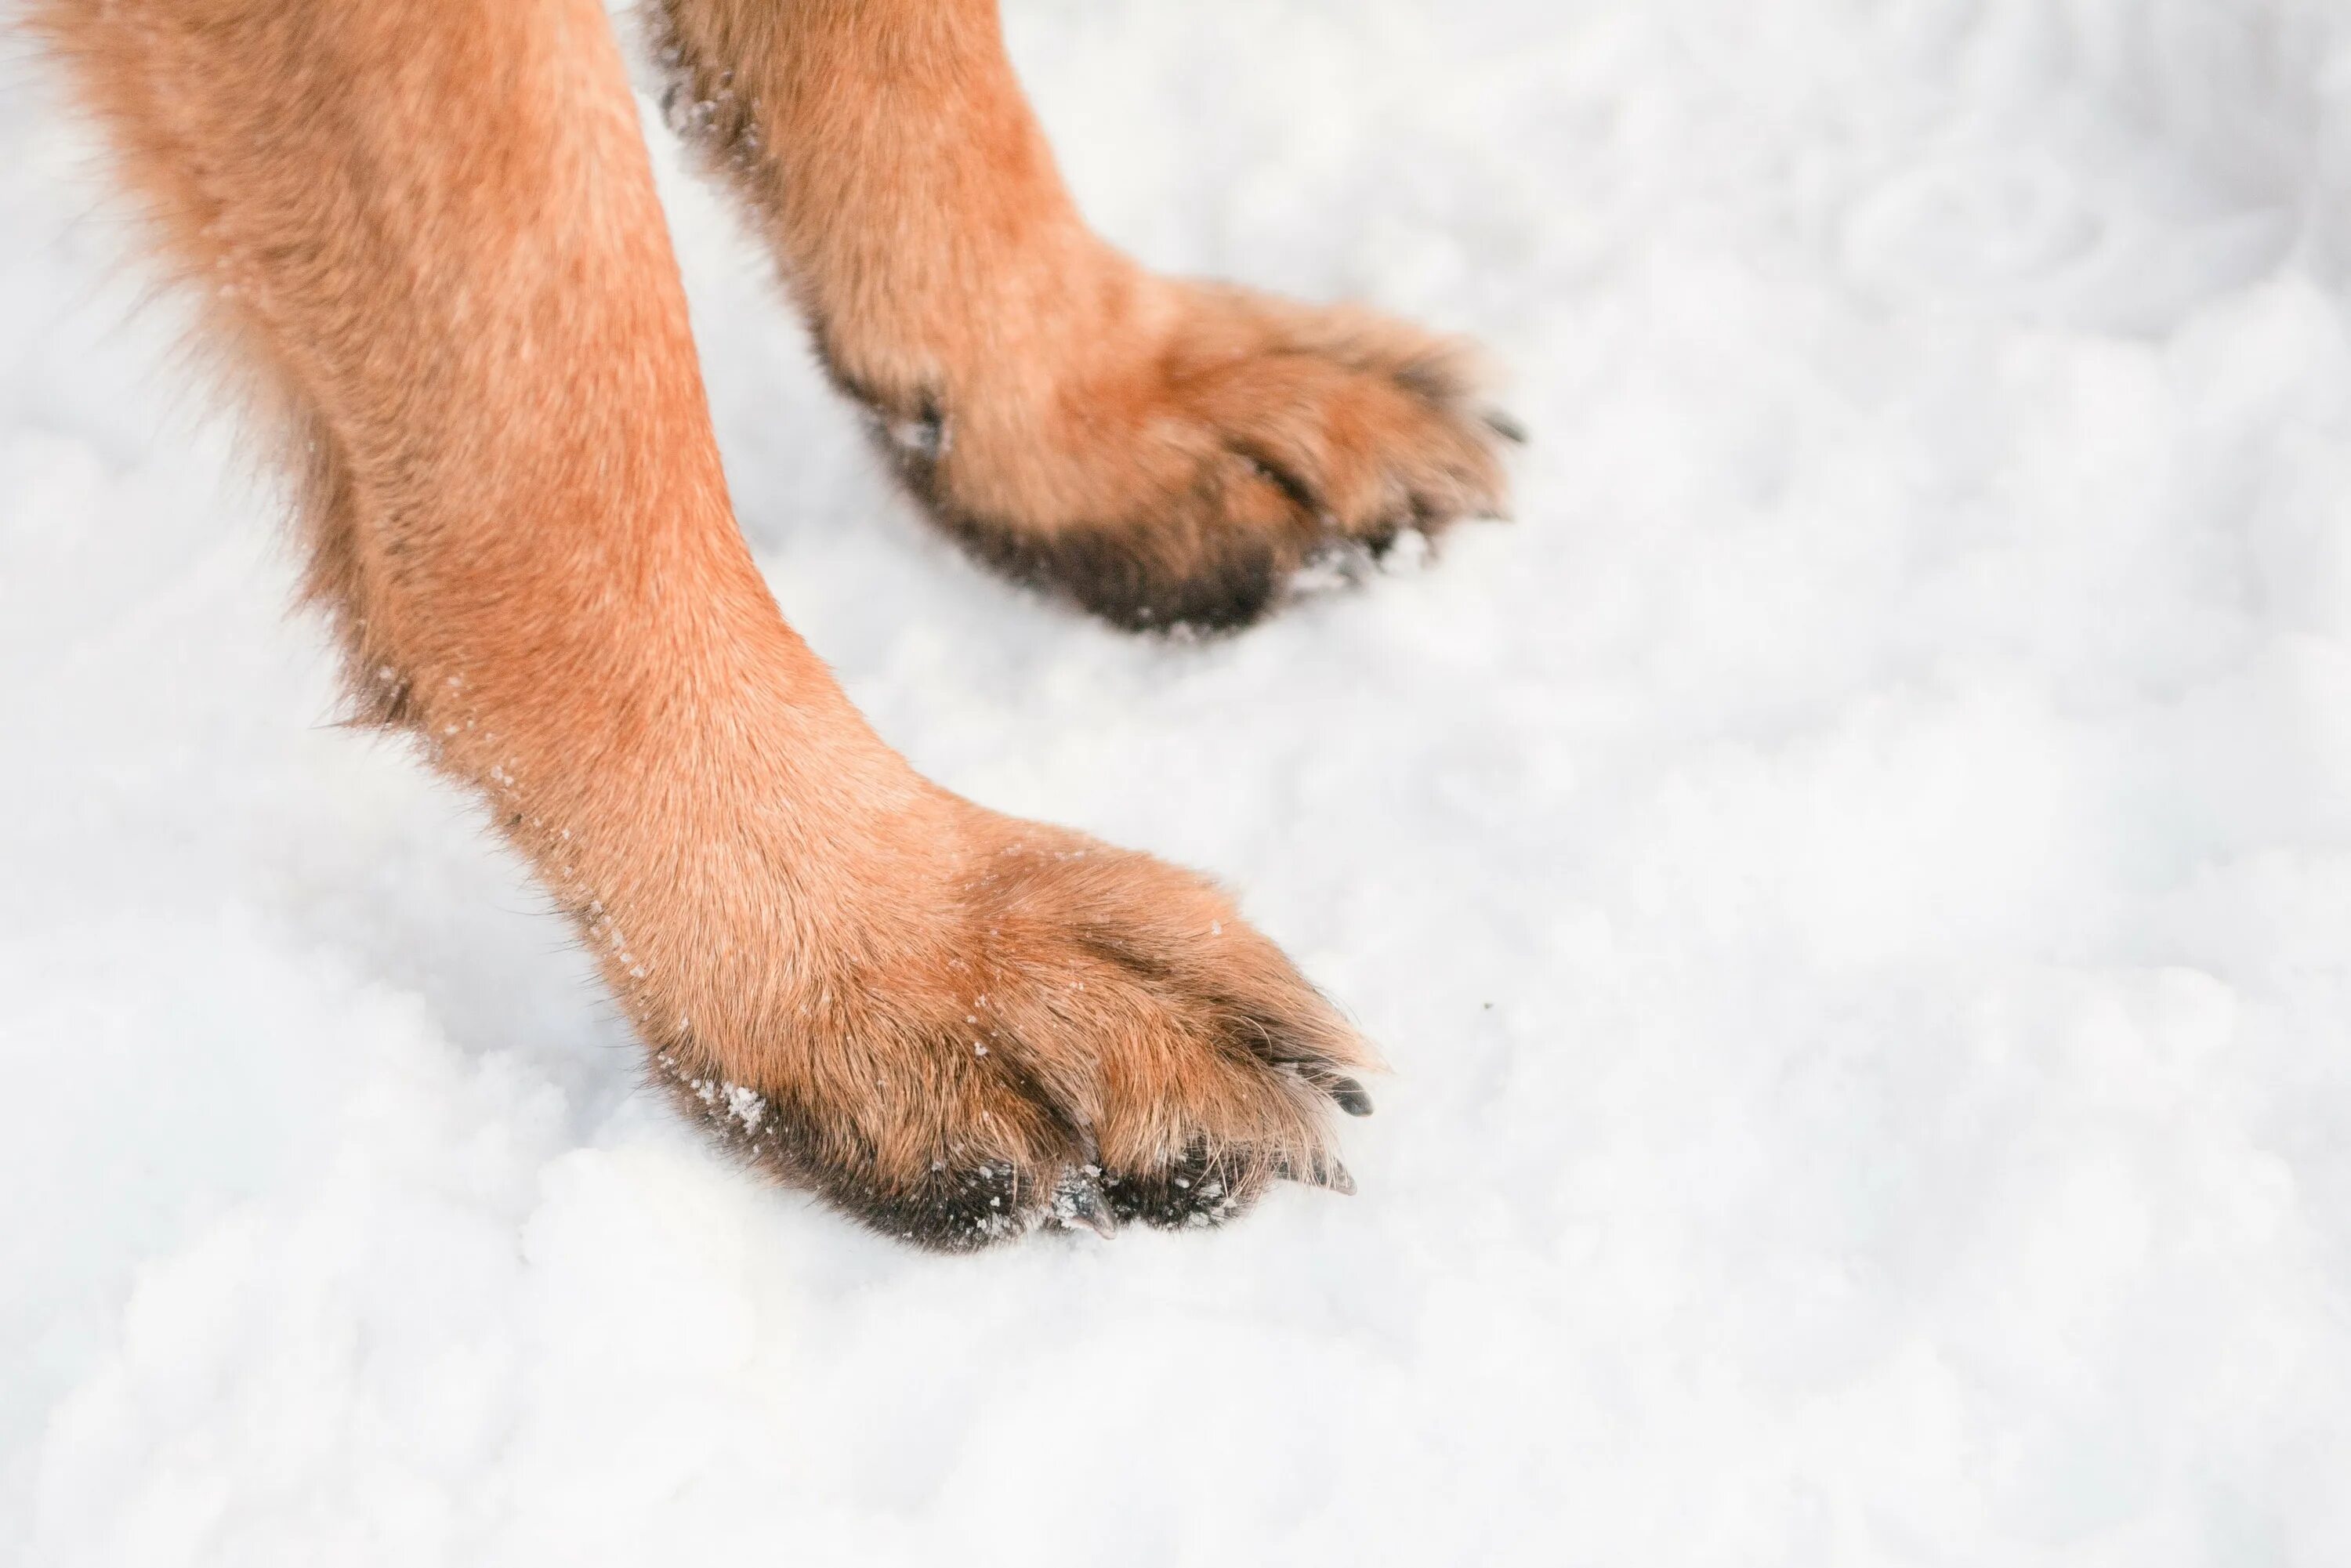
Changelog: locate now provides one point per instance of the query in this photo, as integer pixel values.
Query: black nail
(1503, 425)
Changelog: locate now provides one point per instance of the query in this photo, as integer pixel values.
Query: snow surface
(1855, 883)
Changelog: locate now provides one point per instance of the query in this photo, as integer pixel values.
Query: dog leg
(1166, 453)
(429, 229)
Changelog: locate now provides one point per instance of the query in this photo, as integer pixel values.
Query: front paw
(1184, 466)
(1084, 1037)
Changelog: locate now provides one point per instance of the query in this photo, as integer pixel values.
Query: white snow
(1855, 883)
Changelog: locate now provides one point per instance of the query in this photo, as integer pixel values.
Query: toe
(1358, 446)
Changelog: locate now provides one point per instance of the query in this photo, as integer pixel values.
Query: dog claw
(1078, 1203)
(1503, 425)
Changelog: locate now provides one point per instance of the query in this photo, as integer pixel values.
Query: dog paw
(1185, 464)
(1073, 1036)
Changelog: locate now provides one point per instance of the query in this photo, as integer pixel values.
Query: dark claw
(1346, 1091)
(1503, 425)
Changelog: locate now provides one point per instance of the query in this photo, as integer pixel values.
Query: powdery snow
(1855, 883)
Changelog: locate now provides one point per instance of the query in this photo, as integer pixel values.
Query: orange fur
(1167, 453)
(430, 229)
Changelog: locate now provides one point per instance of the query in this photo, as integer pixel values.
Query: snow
(1854, 883)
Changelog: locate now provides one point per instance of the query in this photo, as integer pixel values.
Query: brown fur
(430, 230)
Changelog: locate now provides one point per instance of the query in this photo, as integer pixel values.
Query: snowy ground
(1856, 883)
